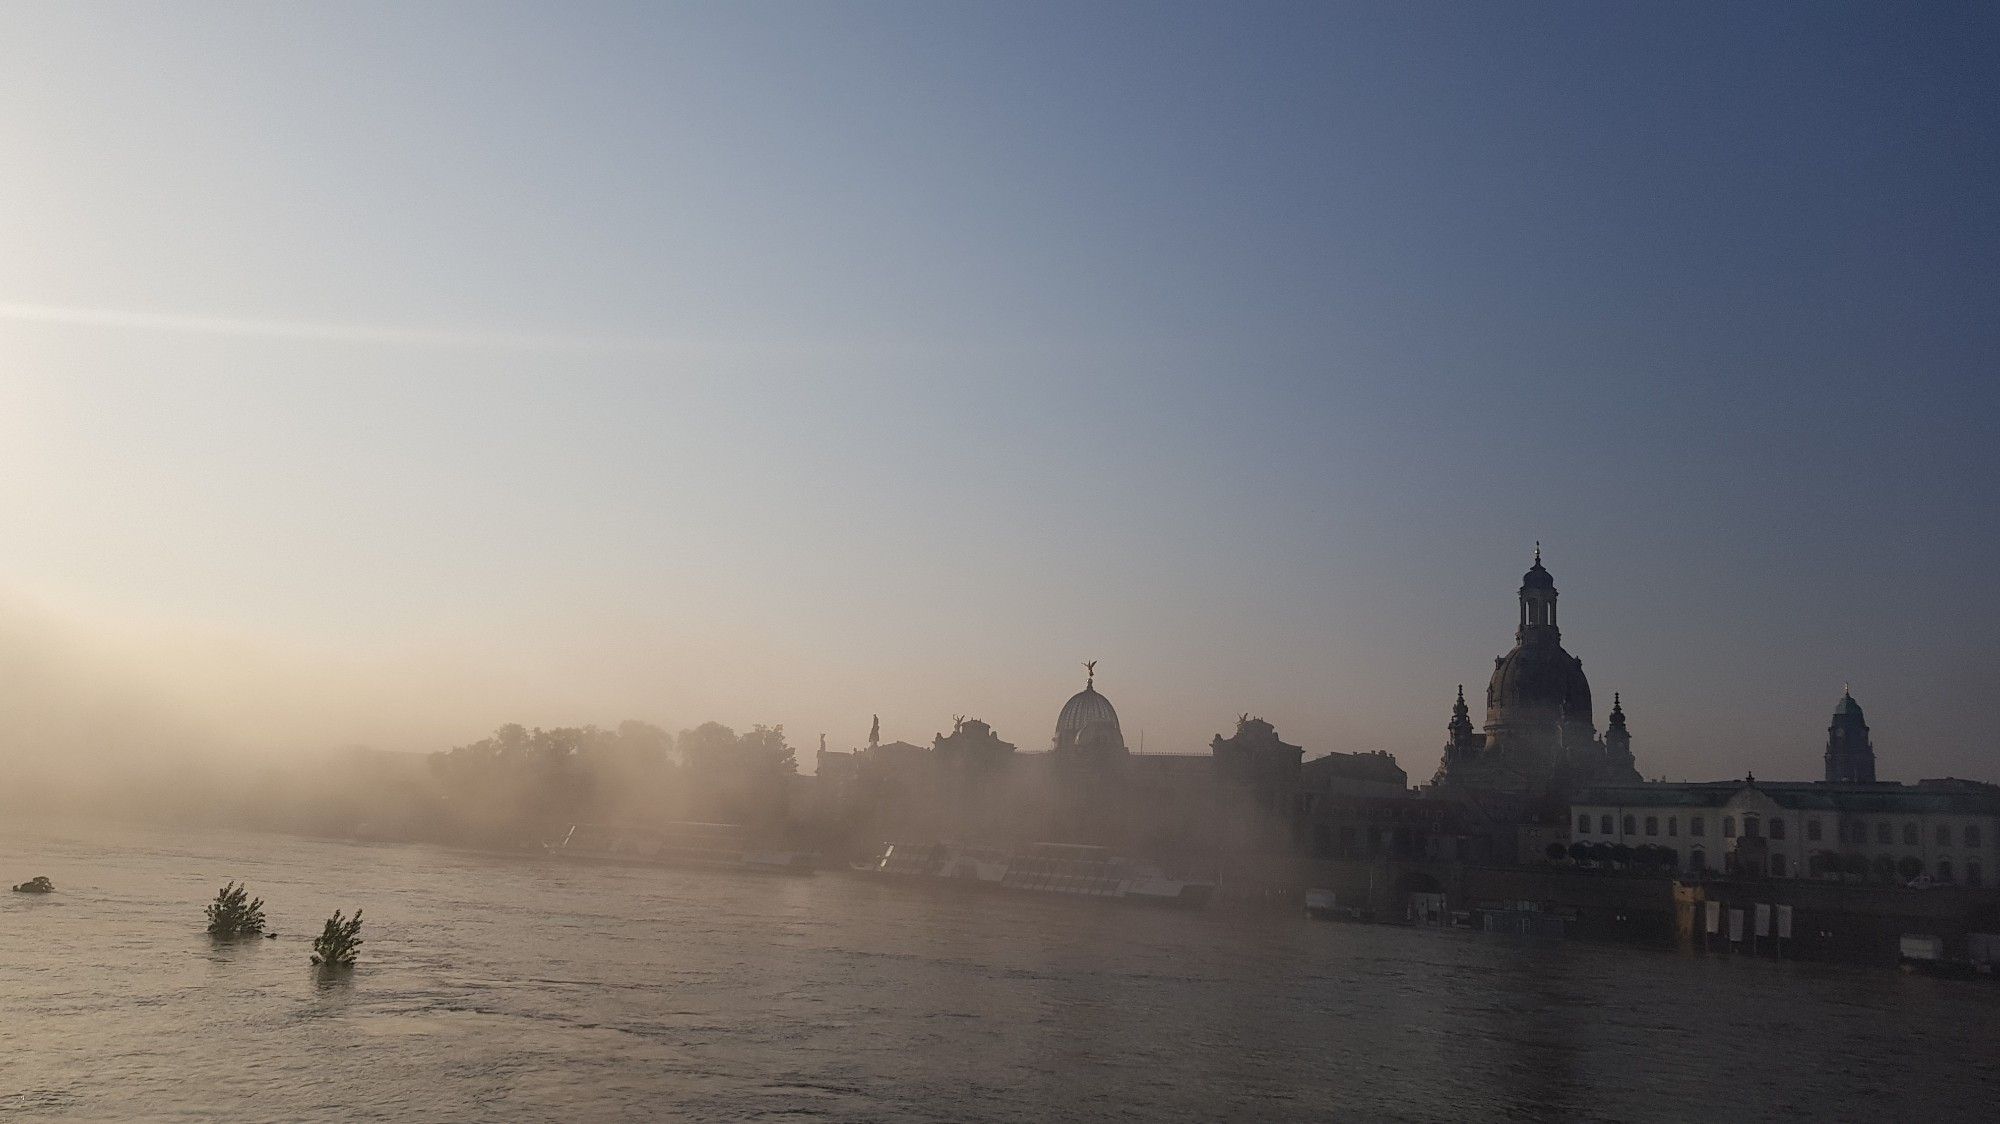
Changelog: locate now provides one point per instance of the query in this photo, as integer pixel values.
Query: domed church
(1540, 735)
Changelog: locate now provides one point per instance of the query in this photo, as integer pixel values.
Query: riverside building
(1845, 827)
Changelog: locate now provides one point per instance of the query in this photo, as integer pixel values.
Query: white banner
(1735, 924)
(1785, 922)
(1763, 920)
(1714, 918)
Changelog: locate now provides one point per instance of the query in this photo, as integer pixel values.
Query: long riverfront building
(1846, 827)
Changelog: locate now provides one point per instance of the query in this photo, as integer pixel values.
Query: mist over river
(494, 988)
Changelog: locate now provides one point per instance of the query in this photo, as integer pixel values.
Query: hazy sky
(386, 373)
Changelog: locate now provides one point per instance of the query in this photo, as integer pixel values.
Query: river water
(517, 990)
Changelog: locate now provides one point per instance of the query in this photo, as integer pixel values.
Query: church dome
(1538, 683)
(1847, 708)
(1088, 719)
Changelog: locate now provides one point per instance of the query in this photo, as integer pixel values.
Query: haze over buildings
(385, 380)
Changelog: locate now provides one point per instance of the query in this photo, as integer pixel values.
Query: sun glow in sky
(383, 374)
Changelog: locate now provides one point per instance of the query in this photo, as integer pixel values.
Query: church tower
(1617, 739)
(1850, 756)
(1460, 727)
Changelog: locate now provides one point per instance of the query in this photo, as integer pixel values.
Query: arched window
(1604, 825)
(1729, 827)
(1697, 825)
(1972, 875)
(1812, 831)
(1673, 826)
(1944, 835)
(1944, 870)
(1972, 835)
(1777, 866)
(1652, 825)
(1750, 824)
(1884, 834)
(1777, 828)
(1631, 825)
(1910, 835)
(1583, 824)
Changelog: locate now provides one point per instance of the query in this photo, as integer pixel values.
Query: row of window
(1885, 869)
(1753, 827)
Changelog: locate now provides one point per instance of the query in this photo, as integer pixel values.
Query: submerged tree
(336, 947)
(234, 913)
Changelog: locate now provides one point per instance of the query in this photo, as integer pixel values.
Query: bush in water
(234, 913)
(336, 946)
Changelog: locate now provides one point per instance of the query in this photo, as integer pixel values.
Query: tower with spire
(1617, 739)
(1850, 755)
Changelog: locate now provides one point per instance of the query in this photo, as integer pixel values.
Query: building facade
(1847, 827)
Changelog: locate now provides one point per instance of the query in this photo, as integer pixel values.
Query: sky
(380, 374)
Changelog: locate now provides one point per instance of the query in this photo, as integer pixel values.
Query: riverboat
(1074, 869)
(702, 846)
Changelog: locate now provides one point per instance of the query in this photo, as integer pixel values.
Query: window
(1972, 875)
(1583, 824)
(1697, 859)
(1697, 825)
(1777, 866)
(1972, 835)
(1884, 834)
(1673, 825)
(1604, 825)
(1944, 870)
(1910, 835)
(1777, 828)
(1812, 830)
(1652, 825)
(1944, 835)
(1729, 827)
(1631, 825)
(1750, 827)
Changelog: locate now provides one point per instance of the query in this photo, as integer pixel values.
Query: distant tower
(1617, 739)
(1850, 756)
(1461, 722)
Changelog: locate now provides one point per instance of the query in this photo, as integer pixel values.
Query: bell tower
(1617, 739)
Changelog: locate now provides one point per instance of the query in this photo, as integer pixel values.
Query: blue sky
(429, 368)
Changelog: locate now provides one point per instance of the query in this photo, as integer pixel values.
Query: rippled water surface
(501, 989)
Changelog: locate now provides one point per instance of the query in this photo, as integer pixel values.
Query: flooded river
(502, 989)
